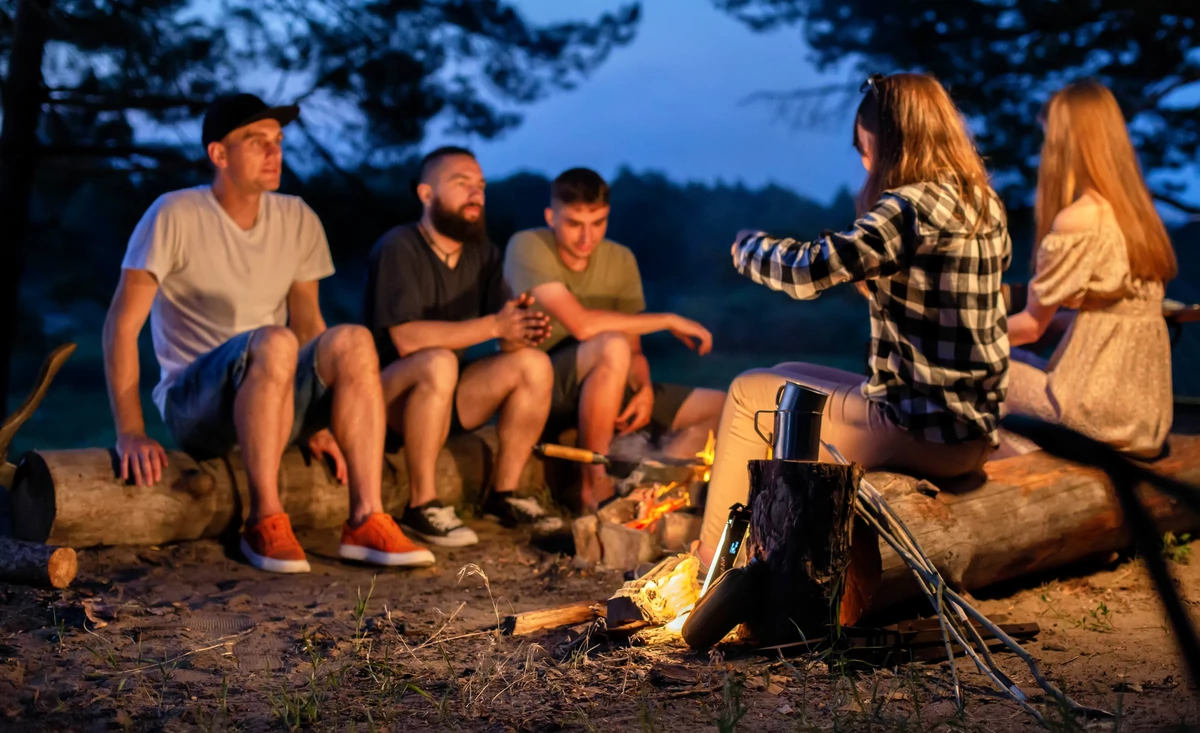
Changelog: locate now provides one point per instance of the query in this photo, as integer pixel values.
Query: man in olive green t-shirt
(592, 291)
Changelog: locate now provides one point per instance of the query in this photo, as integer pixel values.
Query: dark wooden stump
(801, 525)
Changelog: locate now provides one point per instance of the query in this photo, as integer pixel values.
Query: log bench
(74, 497)
(1030, 513)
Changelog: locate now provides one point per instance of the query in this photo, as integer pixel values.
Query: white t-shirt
(216, 280)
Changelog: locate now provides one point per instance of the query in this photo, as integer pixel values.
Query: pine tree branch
(105, 102)
(1185, 207)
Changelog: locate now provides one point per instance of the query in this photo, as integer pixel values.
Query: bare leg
(419, 392)
(518, 383)
(263, 412)
(348, 364)
(699, 415)
(602, 363)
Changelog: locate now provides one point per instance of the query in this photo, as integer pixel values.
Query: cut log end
(62, 566)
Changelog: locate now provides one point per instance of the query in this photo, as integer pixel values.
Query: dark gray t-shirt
(407, 281)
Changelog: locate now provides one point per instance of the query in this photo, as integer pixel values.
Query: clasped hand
(518, 326)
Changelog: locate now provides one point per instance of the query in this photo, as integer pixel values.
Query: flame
(657, 509)
(708, 455)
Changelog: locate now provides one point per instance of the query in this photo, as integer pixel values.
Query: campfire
(649, 520)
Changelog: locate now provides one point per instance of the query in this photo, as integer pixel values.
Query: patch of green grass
(1098, 619)
(1177, 549)
(732, 708)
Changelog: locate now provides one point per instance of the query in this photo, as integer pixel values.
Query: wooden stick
(30, 563)
(551, 618)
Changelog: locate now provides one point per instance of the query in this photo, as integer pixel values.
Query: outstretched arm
(584, 323)
(140, 456)
(872, 248)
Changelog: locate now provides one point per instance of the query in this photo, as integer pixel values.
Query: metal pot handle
(769, 440)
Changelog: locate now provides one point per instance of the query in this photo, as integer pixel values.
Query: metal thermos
(797, 434)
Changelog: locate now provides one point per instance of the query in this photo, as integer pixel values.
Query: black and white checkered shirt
(939, 340)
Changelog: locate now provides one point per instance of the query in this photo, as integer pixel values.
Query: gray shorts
(199, 405)
(564, 404)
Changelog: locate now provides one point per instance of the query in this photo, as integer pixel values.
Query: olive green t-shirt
(610, 282)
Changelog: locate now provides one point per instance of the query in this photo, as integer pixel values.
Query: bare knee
(348, 350)
(611, 350)
(273, 353)
(534, 368)
(436, 370)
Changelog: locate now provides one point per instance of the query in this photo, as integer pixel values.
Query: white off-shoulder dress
(1110, 377)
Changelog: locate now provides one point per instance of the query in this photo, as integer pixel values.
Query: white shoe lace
(529, 507)
(442, 518)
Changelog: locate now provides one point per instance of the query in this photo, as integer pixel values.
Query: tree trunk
(1034, 513)
(73, 497)
(801, 525)
(30, 563)
(22, 92)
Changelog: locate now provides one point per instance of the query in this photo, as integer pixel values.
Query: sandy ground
(185, 638)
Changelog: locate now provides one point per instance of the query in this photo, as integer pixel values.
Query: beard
(453, 225)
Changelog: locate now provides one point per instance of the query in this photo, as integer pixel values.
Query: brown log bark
(74, 497)
(659, 596)
(1030, 514)
(551, 618)
(801, 526)
(30, 563)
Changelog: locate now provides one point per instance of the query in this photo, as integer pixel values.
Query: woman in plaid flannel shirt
(928, 251)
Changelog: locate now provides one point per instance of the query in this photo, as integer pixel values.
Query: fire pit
(647, 522)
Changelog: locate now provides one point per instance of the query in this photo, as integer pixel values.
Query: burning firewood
(658, 597)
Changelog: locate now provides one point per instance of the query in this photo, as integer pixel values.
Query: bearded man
(435, 289)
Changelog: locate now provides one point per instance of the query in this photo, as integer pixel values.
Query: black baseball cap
(227, 114)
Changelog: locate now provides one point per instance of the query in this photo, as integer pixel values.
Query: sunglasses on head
(871, 83)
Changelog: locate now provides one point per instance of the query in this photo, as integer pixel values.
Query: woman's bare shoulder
(1083, 215)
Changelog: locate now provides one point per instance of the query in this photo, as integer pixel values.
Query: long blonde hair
(1087, 146)
(919, 136)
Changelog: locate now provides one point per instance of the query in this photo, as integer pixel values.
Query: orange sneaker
(380, 542)
(271, 546)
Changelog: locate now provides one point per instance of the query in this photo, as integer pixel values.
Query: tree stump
(30, 563)
(801, 526)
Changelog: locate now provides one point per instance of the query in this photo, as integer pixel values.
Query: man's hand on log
(141, 457)
(322, 444)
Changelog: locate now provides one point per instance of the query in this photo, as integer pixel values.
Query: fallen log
(30, 563)
(75, 497)
(528, 622)
(1029, 514)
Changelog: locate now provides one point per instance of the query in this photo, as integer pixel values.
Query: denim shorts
(199, 404)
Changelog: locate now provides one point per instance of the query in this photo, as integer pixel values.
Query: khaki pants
(856, 426)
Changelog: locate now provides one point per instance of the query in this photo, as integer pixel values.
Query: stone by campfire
(646, 524)
(639, 528)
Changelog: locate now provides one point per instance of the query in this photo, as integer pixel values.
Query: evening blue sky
(672, 101)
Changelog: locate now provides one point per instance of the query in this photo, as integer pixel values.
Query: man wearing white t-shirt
(229, 275)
